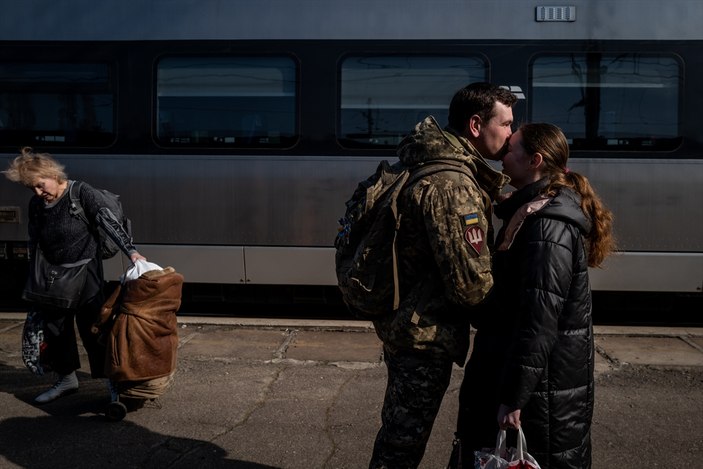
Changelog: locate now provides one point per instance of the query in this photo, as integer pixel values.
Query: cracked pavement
(259, 396)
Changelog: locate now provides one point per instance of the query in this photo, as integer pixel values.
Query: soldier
(443, 262)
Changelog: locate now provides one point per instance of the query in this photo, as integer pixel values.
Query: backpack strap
(416, 174)
(437, 166)
(76, 208)
(449, 165)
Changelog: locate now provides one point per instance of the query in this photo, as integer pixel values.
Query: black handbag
(60, 286)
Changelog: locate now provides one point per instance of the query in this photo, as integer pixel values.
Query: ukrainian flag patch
(471, 219)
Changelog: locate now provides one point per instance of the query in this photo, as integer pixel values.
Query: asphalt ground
(254, 393)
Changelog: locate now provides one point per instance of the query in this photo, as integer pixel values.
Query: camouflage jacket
(444, 245)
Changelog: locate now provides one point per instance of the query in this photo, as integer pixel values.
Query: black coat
(539, 326)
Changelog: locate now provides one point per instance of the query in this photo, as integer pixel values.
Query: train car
(235, 131)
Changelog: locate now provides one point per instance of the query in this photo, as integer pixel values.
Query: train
(234, 132)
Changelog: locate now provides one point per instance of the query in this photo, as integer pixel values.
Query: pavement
(271, 393)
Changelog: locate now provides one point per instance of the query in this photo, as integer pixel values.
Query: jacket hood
(566, 205)
(428, 142)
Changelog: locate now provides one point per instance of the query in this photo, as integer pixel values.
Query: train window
(247, 102)
(623, 101)
(57, 104)
(383, 97)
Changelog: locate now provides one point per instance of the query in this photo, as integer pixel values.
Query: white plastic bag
(502, 458)
(520, 458)
(138, 268)
(492, 458)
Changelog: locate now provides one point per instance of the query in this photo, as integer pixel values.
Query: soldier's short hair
(477, 99)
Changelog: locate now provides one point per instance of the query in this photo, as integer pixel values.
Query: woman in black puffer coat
(535, 341)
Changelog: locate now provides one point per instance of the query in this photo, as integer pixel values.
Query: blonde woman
(63, 239)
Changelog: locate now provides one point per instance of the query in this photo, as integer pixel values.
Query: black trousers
(60, 337)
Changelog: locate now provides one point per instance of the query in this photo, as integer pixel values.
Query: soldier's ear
(474, 126)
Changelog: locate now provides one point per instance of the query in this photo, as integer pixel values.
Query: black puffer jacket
(544, 297)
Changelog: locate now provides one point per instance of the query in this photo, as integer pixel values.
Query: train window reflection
(226, 101)
(57, 104)
(383, 97)
(622, 101)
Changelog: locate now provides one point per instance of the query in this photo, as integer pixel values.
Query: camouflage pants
(416, 386)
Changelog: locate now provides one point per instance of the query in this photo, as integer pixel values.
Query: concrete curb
(367, 326)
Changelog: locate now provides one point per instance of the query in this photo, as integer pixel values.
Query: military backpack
(366, 256)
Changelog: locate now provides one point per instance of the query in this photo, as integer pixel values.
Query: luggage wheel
(116, 411)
